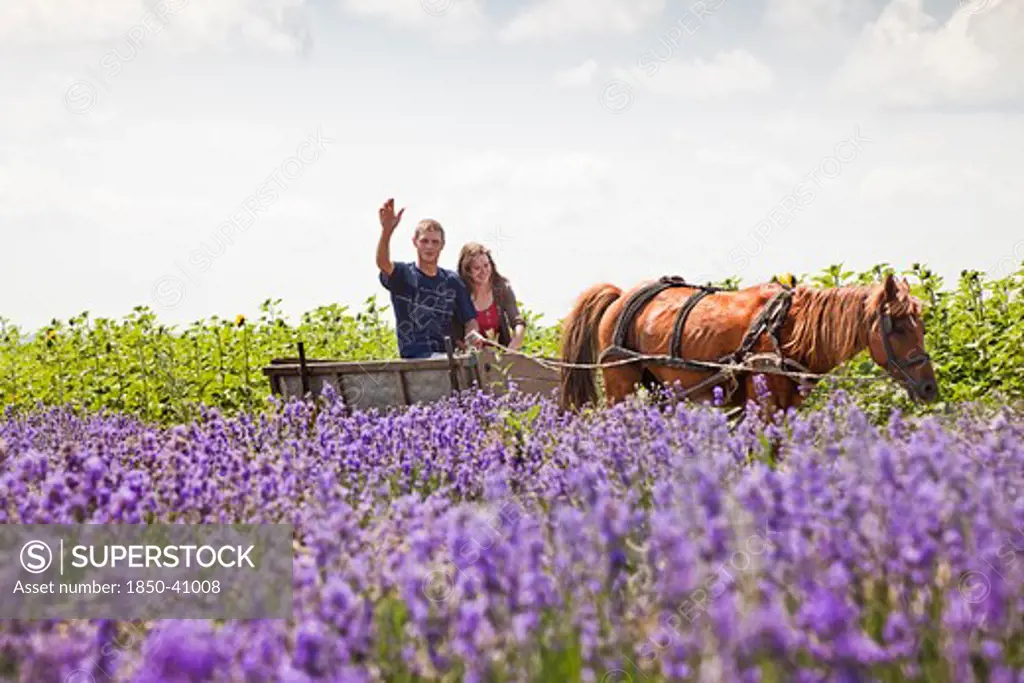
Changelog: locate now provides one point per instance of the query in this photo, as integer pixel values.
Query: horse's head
(896, 339)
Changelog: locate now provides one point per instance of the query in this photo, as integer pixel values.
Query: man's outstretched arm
(388, 222)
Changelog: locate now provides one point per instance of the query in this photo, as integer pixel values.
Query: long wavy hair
(470, 250)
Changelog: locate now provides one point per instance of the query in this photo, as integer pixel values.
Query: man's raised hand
(388, 220)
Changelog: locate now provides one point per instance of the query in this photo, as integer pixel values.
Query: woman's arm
(517, 337)
(516, 319)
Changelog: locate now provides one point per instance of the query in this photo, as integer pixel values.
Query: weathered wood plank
(404, 386)
(347, 367)
(530, 377)
(384, 384)
(373, 391)
(426, 386)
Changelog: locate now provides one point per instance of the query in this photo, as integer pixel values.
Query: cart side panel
(528, 376)
(366, 390)
(425, 386)
(376, 384)
(291, 385)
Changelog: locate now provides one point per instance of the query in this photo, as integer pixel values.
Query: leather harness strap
(636, 303)
(644, 295)
(675, 348)
(769, 320)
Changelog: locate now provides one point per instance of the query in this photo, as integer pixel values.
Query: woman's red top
(487, 319)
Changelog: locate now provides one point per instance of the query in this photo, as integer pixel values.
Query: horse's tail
(579, 344)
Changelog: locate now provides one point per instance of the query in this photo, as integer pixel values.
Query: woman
(496, 311)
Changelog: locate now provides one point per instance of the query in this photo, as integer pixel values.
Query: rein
(770, 321)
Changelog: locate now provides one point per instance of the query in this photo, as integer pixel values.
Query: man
(424, 296)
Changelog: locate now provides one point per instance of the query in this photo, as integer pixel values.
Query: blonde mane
(830, 326)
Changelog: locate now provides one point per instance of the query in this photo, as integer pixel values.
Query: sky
(202, 156)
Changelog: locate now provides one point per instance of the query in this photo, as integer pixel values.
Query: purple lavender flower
(445, 538)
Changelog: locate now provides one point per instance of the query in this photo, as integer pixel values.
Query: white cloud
(928, 181)
(553, 173)
(577, 76)
(560, 19)
(803, 15)
(184, 24)
(453, 20)
(727, 73)
(815, 21)
(908, 58)
(130, 188)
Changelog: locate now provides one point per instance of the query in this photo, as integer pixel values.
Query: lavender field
(488, 539)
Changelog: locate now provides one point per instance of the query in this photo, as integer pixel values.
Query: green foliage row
(975, 335)
(139, 366)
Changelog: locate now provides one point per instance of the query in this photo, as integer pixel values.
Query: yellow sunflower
(787, 280)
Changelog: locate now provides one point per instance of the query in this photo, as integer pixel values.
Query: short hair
(428, 224)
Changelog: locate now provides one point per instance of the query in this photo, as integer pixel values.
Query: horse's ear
(891, 288)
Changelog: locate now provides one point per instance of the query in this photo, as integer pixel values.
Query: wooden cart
(384, 384)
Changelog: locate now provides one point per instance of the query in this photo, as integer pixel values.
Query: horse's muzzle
(926, 391)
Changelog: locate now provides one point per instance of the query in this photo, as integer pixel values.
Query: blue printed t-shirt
(424, 307)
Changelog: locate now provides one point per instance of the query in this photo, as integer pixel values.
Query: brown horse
(821, 329)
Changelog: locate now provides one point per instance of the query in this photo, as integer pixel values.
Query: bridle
(908, 363)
